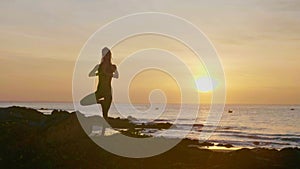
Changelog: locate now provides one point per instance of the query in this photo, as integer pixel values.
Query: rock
(256, 143)
(225, 145)
(206, 144)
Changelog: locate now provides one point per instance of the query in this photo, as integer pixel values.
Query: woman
(105, 72)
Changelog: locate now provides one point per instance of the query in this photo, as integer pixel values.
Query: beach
(248, 126)
(31, 139)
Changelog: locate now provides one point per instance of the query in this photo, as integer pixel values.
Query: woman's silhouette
(105, 72)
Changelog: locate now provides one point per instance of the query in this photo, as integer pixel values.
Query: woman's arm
(115, 73)
(94, 71)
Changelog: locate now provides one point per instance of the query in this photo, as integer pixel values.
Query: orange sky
(258, 44)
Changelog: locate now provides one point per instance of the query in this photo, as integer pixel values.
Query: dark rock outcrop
(29, 139)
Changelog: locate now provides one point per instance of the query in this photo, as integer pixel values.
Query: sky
(257, 42)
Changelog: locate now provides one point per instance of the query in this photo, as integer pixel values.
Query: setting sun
(206, 84)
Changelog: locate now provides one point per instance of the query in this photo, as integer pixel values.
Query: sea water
(270, 126)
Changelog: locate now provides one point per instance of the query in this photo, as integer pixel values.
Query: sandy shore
(29, 139)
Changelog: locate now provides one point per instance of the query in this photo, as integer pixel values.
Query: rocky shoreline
(30, 139)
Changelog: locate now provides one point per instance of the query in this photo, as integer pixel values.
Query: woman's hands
(95, 72)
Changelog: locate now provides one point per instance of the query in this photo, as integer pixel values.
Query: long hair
(106, 64)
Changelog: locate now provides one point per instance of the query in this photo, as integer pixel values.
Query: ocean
(269, 126)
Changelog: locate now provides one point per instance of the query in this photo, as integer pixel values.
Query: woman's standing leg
(105, 104)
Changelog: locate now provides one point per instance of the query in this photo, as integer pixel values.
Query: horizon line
(155, 103)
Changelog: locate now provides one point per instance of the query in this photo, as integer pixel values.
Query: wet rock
(225, 145)
(256, 143)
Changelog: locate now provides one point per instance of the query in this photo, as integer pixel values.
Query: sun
(205, 84)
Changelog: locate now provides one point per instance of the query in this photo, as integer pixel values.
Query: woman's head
(106, 55)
